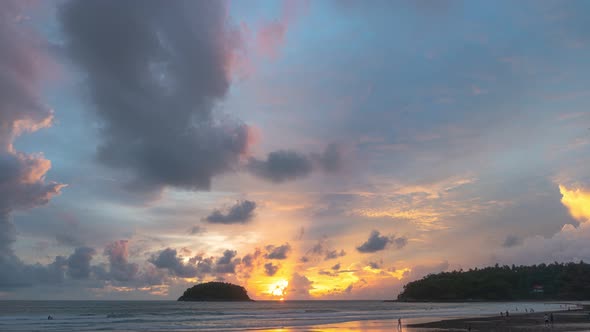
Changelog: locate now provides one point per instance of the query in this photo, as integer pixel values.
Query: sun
(279, 289)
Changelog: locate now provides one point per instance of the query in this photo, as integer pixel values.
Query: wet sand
(574, 320)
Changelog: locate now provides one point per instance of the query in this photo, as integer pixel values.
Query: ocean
(236, 316)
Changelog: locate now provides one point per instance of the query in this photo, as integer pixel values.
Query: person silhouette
(399, 324)
(546, 319)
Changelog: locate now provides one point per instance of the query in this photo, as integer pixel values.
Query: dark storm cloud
(120, 268)
(376, 242)
(512, 241)
(155, 71)
(169, 260)
(240, 213)
(270, 269)
(280, 252)
(286, 165)
(79, 263)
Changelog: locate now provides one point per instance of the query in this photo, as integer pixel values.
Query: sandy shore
(575, 320)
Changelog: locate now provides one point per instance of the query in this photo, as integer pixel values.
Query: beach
(572, 320)
(565, 320)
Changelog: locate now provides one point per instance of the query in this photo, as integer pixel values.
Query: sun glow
(279, 289)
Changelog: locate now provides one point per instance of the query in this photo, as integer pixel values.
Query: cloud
(68, 240)
(118, 254)
(197, 266)
(330, 160)
(271, 35)
(169, 260)
(286, 165)
(196, 230)
(279, 252)
(577, 201)
(328, 273)
(336, 267)
(376, 242)
(420, 271)
(333, 254)
(281, 166)
(249, 259)
(226, 263)
(512, 241)
(22, 176)
(155, 71)
(321, 248)
(374, 265)
(204, 265)
(240, 213)
(79, 263)
(399, 242)
(299, 286)
(270, 269)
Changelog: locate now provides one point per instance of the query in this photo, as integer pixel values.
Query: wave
(163, 316)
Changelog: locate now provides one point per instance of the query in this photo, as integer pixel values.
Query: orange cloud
(577, 201)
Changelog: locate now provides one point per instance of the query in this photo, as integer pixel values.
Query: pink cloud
(270, 37)
(23, 66)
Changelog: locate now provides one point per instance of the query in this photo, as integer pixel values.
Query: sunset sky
(303, 149)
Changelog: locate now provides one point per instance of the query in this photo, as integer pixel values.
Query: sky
(302, 149)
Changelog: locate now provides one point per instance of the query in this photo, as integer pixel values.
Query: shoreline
(564, 320)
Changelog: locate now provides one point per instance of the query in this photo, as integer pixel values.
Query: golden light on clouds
(278, 289)
(328, 284)
(577, 201)
(395, 273)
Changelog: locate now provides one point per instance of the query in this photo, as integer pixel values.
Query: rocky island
(215, 291)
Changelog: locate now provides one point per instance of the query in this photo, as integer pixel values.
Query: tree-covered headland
(556, 281)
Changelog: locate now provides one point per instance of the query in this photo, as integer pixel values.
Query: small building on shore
(538, 289)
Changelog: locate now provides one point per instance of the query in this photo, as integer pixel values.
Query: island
(556, 281)
(215, 291)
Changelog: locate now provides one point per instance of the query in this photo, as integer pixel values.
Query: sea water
(231, 316)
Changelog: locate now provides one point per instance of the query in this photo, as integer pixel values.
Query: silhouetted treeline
(215, 291)
(555, 281)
